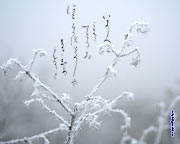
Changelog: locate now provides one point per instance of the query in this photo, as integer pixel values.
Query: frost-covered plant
(163, 124)
(91, 107)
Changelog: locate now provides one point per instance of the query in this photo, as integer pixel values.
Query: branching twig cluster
(162, 125)
(90, 108)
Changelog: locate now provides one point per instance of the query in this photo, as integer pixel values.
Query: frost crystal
(66, 98)
(139, 27)
(92, 119)
(135, 61)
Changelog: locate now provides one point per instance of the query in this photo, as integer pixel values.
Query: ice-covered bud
(9, 65)
(37, 52)
(135, 61)
(142, 27)
(112, 71)
(129, 95)
(40, 52)
(139, 27)
(105, 46)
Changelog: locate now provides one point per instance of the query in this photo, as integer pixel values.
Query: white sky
(27, 25)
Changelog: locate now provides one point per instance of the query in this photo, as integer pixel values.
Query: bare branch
(62, 127)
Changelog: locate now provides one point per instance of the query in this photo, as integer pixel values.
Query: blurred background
(29, 25)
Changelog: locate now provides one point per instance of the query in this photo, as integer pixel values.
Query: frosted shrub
(162, 124)
(91, 107)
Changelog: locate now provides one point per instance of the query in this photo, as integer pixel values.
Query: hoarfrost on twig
(91, 107)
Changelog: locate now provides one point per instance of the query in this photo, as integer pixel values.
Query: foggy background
(29, 25)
